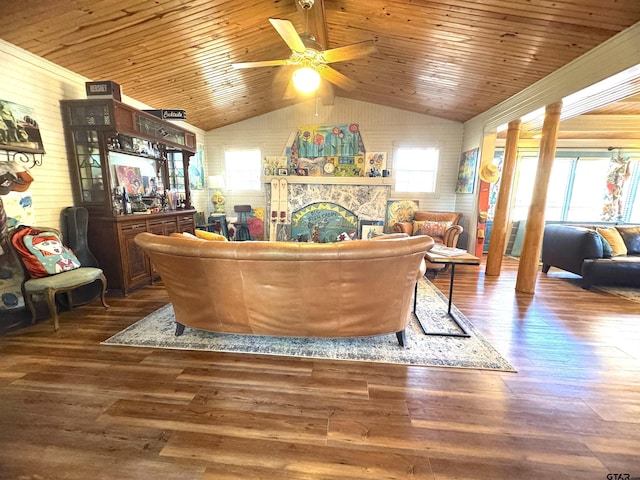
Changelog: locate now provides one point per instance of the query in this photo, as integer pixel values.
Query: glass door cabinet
(130, 171)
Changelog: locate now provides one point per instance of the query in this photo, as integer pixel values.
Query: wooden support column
(532, 243)
(501, 216)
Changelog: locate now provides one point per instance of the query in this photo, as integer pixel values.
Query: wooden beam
(532, 243)
(499, 228)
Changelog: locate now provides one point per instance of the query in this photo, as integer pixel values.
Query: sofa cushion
(614, 238)
(431, 228)
(607, 251)
(210, 236)
(631, 238)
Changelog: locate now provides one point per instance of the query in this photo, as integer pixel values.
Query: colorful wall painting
(467, 171)
(328, 150)
(400, 211)
(322, 222)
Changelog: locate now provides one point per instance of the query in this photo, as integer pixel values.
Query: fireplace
(349, 204)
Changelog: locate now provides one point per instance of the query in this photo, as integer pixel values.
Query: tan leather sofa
(344, 289)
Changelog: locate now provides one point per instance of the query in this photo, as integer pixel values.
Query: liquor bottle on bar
(126, 203)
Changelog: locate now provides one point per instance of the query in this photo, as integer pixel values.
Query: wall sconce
(306, 80)
(216, 183)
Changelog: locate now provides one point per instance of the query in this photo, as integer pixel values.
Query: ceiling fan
(307, 54)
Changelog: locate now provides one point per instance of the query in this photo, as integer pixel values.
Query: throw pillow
(210, 236)
(431, 228)
(614, 238)
(631, 238)
(346, 236)
(607, 251)
(43, 253)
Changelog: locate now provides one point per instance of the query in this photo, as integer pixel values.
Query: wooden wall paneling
(454, 60)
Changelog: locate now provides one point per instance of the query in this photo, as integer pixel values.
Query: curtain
(619, 171)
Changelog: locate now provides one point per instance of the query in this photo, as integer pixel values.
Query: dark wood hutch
(113, 148)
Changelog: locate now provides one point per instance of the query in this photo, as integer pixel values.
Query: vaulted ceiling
(452, 59)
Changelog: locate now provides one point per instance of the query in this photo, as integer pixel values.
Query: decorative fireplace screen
(323, 222)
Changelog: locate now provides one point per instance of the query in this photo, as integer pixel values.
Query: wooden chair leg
(70, 299)
(50, 294)
(104, 291)
(28, 298)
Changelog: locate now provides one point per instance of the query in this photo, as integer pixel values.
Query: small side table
(466, 259)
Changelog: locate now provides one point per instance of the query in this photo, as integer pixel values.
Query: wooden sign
(105, 89)
(168, 114)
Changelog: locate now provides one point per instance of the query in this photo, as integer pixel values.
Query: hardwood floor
(73, 409)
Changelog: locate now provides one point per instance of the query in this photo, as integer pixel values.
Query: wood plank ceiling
(449, 58)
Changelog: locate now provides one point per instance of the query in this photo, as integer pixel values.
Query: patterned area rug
(629, 293)
(157, 330)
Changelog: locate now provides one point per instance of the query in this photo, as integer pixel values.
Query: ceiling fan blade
(288, 33)
(349, 52)
(327, 93)
(291, 91)
(265, 63)
(337, 78)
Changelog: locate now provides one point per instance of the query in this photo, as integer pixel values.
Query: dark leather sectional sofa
(579, 249)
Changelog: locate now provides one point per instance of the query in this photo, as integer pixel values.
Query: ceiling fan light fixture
(306, 80)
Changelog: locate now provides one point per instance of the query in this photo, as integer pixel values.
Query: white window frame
(242, 169)
(420, 165)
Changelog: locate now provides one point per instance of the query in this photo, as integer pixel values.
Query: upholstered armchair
(441, 226)
(50, 268)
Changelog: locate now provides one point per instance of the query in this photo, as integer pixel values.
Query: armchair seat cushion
(71, 278)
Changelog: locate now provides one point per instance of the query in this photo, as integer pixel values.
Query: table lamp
(216, 183)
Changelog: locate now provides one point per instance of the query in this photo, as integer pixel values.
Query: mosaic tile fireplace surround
(366, 202)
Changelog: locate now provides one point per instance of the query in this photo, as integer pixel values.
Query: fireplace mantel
(331, 180)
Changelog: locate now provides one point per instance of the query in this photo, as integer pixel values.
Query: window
(589, 186)
(242, 169)
(559, 188)
(576, 189)
(416, 169)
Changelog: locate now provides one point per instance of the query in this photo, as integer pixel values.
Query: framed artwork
(130, 179)
(19, 131)
(369, 228)
(196, 170)
(400, 211)
(283, 171)
(376, 163)
(273, 165)
(467, 171)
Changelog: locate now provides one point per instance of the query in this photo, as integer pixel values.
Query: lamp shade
(306, 80)
(216, 182)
